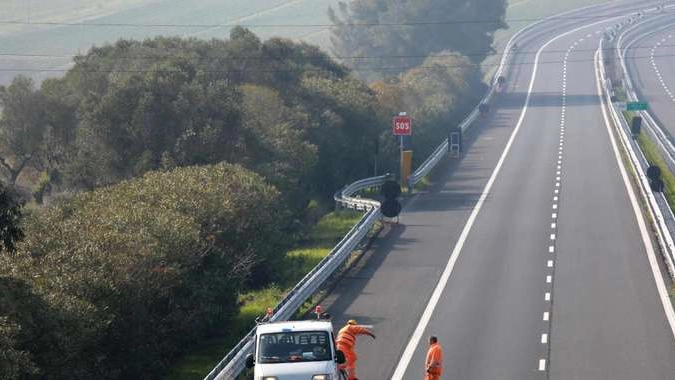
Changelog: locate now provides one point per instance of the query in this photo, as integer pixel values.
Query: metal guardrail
(234, 362)
(658, 133)
(346, 199)
(663, 235)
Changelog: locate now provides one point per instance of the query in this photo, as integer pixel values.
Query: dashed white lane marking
(551, 249)
(410, 348)
(657, 71)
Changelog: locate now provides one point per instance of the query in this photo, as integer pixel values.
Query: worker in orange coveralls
(434, 362)
(346, 342)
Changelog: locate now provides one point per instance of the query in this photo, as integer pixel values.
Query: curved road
(527, 264)
(650, 53)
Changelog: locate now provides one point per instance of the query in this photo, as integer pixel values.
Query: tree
(413, 30)
(277, 143)
(22, 125)
(15, 364)
(10, 218)
(114, 283)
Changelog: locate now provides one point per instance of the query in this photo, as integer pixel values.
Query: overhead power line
(163, 55)
(300, 70)
(287, 25)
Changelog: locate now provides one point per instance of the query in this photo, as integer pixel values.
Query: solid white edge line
(406, 357)
(440, 286)
(651, 255)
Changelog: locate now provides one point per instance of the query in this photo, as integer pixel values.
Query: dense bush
(281, 108)
(114, 282)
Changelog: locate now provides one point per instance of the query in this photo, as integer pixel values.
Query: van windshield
(295, 346)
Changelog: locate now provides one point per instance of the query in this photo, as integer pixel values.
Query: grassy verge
(323, 237)
(653, 156)
(423, 184)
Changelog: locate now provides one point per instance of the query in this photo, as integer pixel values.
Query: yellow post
(406, 166)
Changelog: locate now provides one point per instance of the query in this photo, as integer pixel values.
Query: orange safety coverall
(434, 362)
(346, 341)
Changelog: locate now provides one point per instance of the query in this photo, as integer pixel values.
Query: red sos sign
(402, 126)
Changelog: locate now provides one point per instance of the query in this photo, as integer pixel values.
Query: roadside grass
(621, 96)
(423, 184)
(651, 152)
(298, 262)
(653, 156)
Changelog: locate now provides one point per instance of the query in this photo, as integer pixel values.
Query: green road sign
(636, 106)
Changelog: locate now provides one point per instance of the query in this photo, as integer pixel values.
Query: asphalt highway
(527, 259)
(650, 53)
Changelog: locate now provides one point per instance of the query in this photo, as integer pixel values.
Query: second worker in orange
(346, 342)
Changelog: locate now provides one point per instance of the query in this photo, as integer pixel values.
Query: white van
(295, 350)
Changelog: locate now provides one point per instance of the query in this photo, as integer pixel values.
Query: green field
(41, 11)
